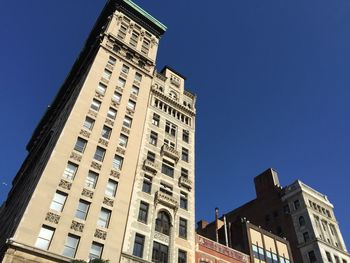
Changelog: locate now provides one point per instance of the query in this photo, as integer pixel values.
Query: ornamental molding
(100, 234)
(130, 112)
(92, 113)
(109, 122)
(87, 193)
(166, 200)
(52, 217)
(79, 227)
(75, 156)
(150, 166)
(161, 237)
(96, 165)
(65, 184)
(103, 142)
(125, 258)
(126, 130)
(185, 182)
(84, 133)
(115, 174)
(170, 152)
(108, 201)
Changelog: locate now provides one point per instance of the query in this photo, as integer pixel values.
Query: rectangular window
(127, 122)
(167, 189)
(185, 136)
(123, 140)
(135, 90)
(111, 113)
(184, 154)
(103, 219)
(274, 258)
(107, 74)
(329, 257)
(153, 138)
(268, 257)
(82, 210)
(296, 204)
(58, 201)
(96, 250)
(183, 228)
(143, 212)
(168, 168)
(336, 259)
(159, 253)
(89, 123)
(255, 251)
(131, 105)
(71, 245)
(151, 156)
(106, 132)
(91, 180)
(169, 143)
(121, 83)
(95, 105)
(182, 256)
(183, 200)
(122, 31)
(111, 188)
(147, 185)
(117, 97)
(125, 69)
(80, 145)
(138, 245)
(170, 128)
(145, 46)
(184, 172)
(138, 77)
(112, 60)
(134, 39)
(118, 162)
(70, 171)
(44, 238)
(306, 236)
(99, 154)
(261, 254)
(155, 119)
(101, 88)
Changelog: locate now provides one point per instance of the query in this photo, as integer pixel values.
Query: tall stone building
(110, 167)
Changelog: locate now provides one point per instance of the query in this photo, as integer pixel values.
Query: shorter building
(209, 251)
(261, 245)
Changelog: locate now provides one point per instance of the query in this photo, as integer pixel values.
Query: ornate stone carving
(115, 174)
(105, 81)
(87, 193)
(161, 237)
(150, 166)
(166, 200)
(170, 152)
(96, 165)
(84, 133)
(109, 122)
(103, 142)
(99, 95)
(119, 89)
(136, 83)
(92, 113)
(64, 184)
(115, 103)
(100, 234)
(52, 217)
(130, 112)
(122, 74)
(75, 156)
(133, 96)
(108, 201)
(126, 130)
(109, 66)
(77, 226)
(120, 150)
(185, 182)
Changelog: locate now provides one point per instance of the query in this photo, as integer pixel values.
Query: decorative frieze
(170, 152)
(121, 150)
(133, 97)
(84, 133)
(166, 200)
(87, 193)
(92, 113)
(96, 165)
(115, 174)
(109, 122)
(110, 67)
(76, 226)
(105, 81)
(123, 75)
(119, 89)
(161, 237)
(185, 182)
(126, 130)
(150, 166)
(103, 142)
(75, 156)
(108, 201)
(130, 112)
(100, 234)
(65, 185)
(99, 95)
(52, 217)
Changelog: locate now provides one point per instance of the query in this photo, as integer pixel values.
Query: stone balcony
(185, 182)
(150, 166)
(170, 152)
(167, 200)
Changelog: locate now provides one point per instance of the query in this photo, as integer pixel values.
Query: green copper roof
(144, 13)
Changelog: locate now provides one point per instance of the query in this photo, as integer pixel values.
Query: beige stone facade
(78, 193)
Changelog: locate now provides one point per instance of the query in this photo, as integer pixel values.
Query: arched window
(163, 223)
(301, 221)
(173, 95)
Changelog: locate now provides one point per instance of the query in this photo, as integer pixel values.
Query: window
(70, 171)
(160, 253)
(135, 90)
(255, 251)
(118, 162)
(185, 136)
(184, 172)
(344, 261)
(112, 113)
(82, 210)
(125, 69)
(151, 156)
(138, 76)
(134, 39)
(147, 185)
(306, 236)
(103, 219)
(296, 204)
(101, 88)
(71, 245)
(123, 140)
(145, 46)
(268, 257)
(286, 209)
(183, 200)
(143, 212)
(261, 253)
(95, 105)
(168, 168)
(163, 223)
(80, 145)
(301, 221)
(170, 128)
(328, 214)
(117, 97)
(164, 188)
(45, 236)
(111, 188)
(121, 83)
(106, 132)
(122, 31)
(274, 258)
(336, 259)
(183, 228)
(329, 257)
(91, 180)
(127, 122)
(155, 119)
(184, 154)
(95, 250)
(182, 256)
(169, 143)
(99, 154)
(106, 74)
(138, 245)
(153, 138)
(112, 60)
(89, 123)
(131, 105)
(58, 201)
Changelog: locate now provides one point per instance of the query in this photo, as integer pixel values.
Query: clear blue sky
(272, 79)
